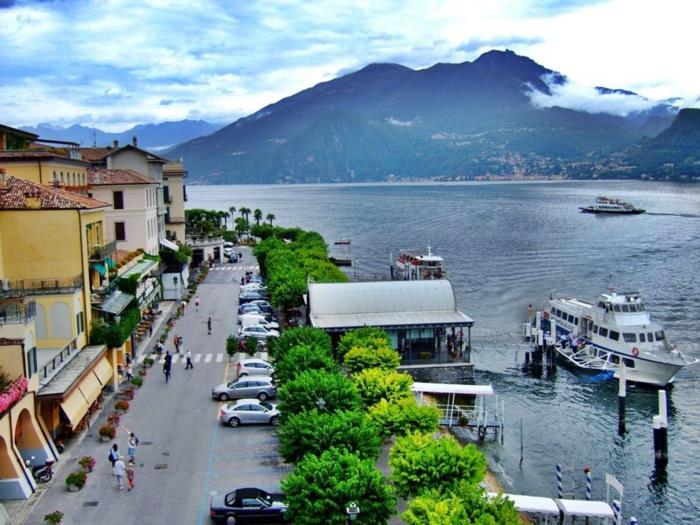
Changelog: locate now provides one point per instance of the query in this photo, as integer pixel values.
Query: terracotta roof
(95, 154)
(14, 191)
(30, 154)
(104, 177)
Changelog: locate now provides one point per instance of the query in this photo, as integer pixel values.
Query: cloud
(478, 44)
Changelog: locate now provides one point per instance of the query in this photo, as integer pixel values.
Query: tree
(270, 217)
(314, 432)
(403, 416)
(360, 358)
(367, 336)
(319, 489)
(300, 358)
(375, 384)
(433, 460)
(292, 337)
(312, 388)
(231, 211)
(257, 215)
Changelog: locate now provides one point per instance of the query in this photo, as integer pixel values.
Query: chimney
(32, 200)
(133, 141)
(115, 143)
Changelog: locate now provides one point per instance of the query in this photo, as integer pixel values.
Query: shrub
(137, 381)
(231, 345)
(403, 416)
(301, 335)
(360, 358)
(320, 487)
(54, 518)
(368, 337)
(87, 462)
(122, 405)
(376, 384)
(433, 460)
(107, 431)
(301, 358)
(251, 345)
(314, 432)
(148, 361)
(76, 478)
(303, 393)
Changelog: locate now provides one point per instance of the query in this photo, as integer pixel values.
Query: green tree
(320, 488)
(270, 217)
(367, 337)
(361, 358)
(433, 460)
(375, 384)
(314, 432)
(231, 212)
(257, 215)
(403, 416)
(308, 389)
(301, 358)
(303, 335)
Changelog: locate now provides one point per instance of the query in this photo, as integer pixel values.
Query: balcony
(24, 287)
(17, 313)
(174, 220)
(99, 252)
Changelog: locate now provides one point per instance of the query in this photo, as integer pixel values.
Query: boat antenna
(611, 286)
(429, 252)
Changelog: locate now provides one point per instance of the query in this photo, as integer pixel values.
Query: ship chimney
(134, 142)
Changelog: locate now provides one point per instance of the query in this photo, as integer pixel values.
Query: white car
(253, 287)
(253, 319)
(257, 331)
(254, 367)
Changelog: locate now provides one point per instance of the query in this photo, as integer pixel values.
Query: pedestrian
(188, 356)
(209, 325)
(183, 306)
(129, 371)
(133, 443)
(130, 475)
(242, 281)
(113, 454)
(167, 370)
(159, 348)
(150, 330)
(119, 471)
(196, 303)
(168, 358)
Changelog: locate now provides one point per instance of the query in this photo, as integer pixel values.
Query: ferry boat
(616, 329)
(612, 206)
(415, 265)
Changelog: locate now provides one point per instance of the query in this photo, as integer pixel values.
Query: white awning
(533, 504)
(590, 509)
(169, 244)
(448, 388)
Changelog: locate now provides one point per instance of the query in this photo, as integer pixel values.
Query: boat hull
(611, 212)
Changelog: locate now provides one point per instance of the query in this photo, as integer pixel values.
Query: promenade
(185, 455)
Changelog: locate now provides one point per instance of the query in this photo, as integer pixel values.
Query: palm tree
(257, 214)
(270, 217)
(231, 211)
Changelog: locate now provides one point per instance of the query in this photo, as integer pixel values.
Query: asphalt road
(185, 455)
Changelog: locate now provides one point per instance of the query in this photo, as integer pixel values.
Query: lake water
(509, 244)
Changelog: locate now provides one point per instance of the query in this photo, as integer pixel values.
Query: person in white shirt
(188, 356)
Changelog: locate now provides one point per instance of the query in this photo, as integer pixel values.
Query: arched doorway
(28, 439)
(13, 483)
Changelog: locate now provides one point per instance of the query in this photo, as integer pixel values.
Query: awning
(111, 263)
(116, 303)
(74, 407)
(103, 371)
(99, 268)
(169, 244)
(141, 268)
(90, 387)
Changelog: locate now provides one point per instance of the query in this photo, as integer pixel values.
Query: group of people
(119, 467)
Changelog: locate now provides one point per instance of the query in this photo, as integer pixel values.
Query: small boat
(415, 265)
(342, 242)
(613, 206)
(616, 330)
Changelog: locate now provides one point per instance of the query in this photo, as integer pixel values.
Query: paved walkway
(185, 454)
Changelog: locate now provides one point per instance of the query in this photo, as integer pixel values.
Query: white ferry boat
(617, 329)
(415, 265)
(613, 206)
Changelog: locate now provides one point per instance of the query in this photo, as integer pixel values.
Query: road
(185, 454)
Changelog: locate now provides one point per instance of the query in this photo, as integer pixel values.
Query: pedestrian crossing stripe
(207, 359)
(176, 357)
(234, 268)
(219, 357)
(196, 358)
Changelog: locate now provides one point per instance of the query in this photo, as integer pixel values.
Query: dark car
(250, 296)
(248, 505)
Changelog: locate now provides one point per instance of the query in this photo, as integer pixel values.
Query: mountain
(150, 136)
(388, 121)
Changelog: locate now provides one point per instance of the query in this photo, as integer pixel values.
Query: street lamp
(320, 403)
(353, 509)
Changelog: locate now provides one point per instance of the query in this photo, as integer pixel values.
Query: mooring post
(617, 512)
(621, 395)
(589, 483)
(560, 486)
(660, 426)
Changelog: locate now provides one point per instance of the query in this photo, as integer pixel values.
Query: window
(595, 328)
(629, 338)
(603, 332)
(642, 338)
(625, 308)
(79, 322)
(118, 200)
(660, 335)
(615, 359)
(576, 321)
(31, 362)
(615, 336)
(650, 337)
(166, 194)
(629, 363)
(616, 307)
(119, 231)
(570, 318)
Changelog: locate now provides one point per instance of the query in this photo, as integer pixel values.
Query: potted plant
(76, 481)
(107, 433)
(129, 393)
(122, 406)
(54, 518)
(142, 372)
(113, 419)
(148, 362)
(137, 382)
(87, 462)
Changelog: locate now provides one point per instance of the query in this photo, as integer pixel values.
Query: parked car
(248, 308)
(261, 387)
(248, 505)
(249, 412)
(232, 257)
(254, 367)
(228, 244)
(262, 305)
(252, 287)
(251, 319)
(257, 331)
(250, 296)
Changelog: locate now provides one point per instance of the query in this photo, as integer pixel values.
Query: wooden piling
(621, 397)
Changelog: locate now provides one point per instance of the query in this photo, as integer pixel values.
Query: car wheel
(274, 421)
(262, 396)
(243, 374)
(223, 397)
(234, 422)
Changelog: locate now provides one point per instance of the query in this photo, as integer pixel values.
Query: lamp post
(352, 510)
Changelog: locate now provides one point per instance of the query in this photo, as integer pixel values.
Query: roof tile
(13, 193)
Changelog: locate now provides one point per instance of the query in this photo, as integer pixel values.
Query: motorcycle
(41, 473)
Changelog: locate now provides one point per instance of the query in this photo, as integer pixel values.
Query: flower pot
(73, 488)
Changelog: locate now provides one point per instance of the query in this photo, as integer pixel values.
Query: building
(174, 196)
(48, 167)
(133, 219)
(419, 316)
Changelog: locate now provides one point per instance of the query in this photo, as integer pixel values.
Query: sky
(113, 64)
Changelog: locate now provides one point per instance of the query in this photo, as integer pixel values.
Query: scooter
(41, 473)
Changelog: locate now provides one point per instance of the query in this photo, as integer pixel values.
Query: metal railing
(17, 313)
(26, 287)
(102, 251)
(174, 220)
(58, 361)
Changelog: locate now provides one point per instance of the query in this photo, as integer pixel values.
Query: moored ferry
(416, 265)
(616, 329)
(612, 206)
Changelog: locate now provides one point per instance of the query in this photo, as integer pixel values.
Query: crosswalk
(196, 358)
(235, 268)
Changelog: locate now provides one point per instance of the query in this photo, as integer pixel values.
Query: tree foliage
(403, 416)
(367, 337)
(361, 358)
(316, 431)
(433, 460)
(115, 333)
(320, 488)
(301, 358)
(303, 393)
(375, 384)
(298, 336)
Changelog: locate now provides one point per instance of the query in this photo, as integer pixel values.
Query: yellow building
(51, 242)
(48, 166)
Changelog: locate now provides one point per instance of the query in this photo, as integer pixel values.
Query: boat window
(660, 335)
(629, 363)
(650, 337)
(603, 332)
(570, 318)
(616, 307)
(553, 310)
(595, 328)
(614, 359)
(576, 321)
(558, 312)
(630, 338)
(615, 336)
(642, 338)
(601, 304)
(625, 308)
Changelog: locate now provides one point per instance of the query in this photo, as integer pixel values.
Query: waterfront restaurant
(421, 317)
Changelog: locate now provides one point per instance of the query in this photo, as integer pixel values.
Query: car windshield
(268, 406)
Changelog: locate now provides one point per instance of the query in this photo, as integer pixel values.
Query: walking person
(159, 348)
(132, 444)
(196, 303)
(188, 356)
(113, 454)
(183, 306)
(130, 475)
(176, 342)
(119, 471)
(209, 326)
(167, 370)
(129, 371)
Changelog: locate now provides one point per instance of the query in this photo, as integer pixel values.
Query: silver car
(254, 367)
(260, 387)
(249, 411)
